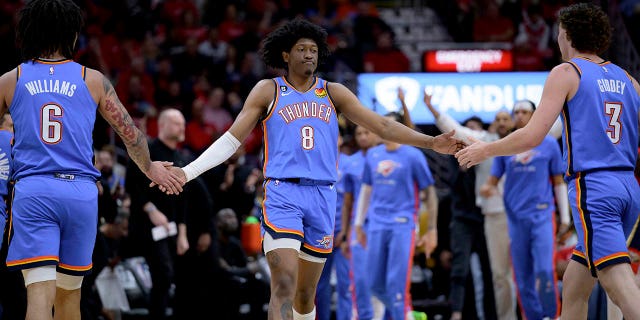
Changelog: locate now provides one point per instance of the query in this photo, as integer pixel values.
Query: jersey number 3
(50, 129)
(613, 109)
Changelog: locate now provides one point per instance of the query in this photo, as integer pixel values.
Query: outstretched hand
(473, 154)
(447, 144)
(169, 179)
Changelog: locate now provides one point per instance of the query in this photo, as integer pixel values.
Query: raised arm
(386, 128)
(260, 97)
(406, 115)
(561, 82)
(446, 123)
(134, 140)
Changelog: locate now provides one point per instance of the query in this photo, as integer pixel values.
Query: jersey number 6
(50, 130)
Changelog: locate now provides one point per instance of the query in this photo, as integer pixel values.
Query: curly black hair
(285, 37)
(47, 26)
(587, 27)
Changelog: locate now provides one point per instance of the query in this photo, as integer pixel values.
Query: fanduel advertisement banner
(461, 95)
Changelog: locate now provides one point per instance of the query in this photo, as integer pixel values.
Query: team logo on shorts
(320, 92)
(326, 241)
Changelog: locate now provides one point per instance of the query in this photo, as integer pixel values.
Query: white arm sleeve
(221, 150)
(446, 123)
(562, 198)
(556, 129)
(363, 204)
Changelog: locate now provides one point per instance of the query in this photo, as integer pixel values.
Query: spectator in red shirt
(490, 26)
(385, 57)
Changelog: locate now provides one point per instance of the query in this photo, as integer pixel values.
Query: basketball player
(336, 258)
(6, 136)
(393, 177)
(529, 202)
(356, 252)
(298, 116)
(53, 102)
(599, 104)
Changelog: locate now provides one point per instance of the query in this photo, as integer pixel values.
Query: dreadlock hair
(587, 27)
(285, 37)
(47, 26)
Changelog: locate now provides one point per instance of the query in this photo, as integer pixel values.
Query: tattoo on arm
(286, 310)
(115, 113)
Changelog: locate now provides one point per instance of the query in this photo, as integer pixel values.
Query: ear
(285, 57)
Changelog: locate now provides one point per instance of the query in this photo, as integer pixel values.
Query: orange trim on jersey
(19, 70)
(581, 214)
(266, 219)
(266, 152)
(275, 102)
(566, 139)
(604, 62)
(53, 62)
(576, 66)
(10, 214)
(32, 260)
(84, 72)
(632, 234)
(611, 257)
(319, 250)
(579, 254)
(75, 268)
(313, 86)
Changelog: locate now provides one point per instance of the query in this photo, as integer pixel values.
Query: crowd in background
(201, 58)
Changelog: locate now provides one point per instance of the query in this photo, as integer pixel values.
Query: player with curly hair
(298, 114)
(599, 104)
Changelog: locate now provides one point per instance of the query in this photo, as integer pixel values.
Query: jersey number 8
(307, 137)
(50, 130)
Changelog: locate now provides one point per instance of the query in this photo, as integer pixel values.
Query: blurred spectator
(532, 42)
(491, 26)
(233, 184)
(631, 13)
(112, 173)
(151, 208)
(189, 63)
(242, 273)
(136, 88)
(214, 114)
(385, 57)
(198, 275)
(199, 134)
(215, 50)
(232, 26)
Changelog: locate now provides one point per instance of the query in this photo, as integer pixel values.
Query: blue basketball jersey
(5, 162)
(353, 179)
(527, 187)
(53, 115)
(396, 178)
(601, 120)
(301, 134)
(343, 162)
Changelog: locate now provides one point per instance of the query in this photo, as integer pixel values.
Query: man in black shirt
(152, 208)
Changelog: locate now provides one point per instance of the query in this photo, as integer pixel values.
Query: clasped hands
(168, 178)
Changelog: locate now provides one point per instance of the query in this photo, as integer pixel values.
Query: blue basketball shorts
(605, 207)
(300, 210)
(53, 222)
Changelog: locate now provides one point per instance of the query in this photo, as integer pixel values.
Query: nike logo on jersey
(284, 94)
